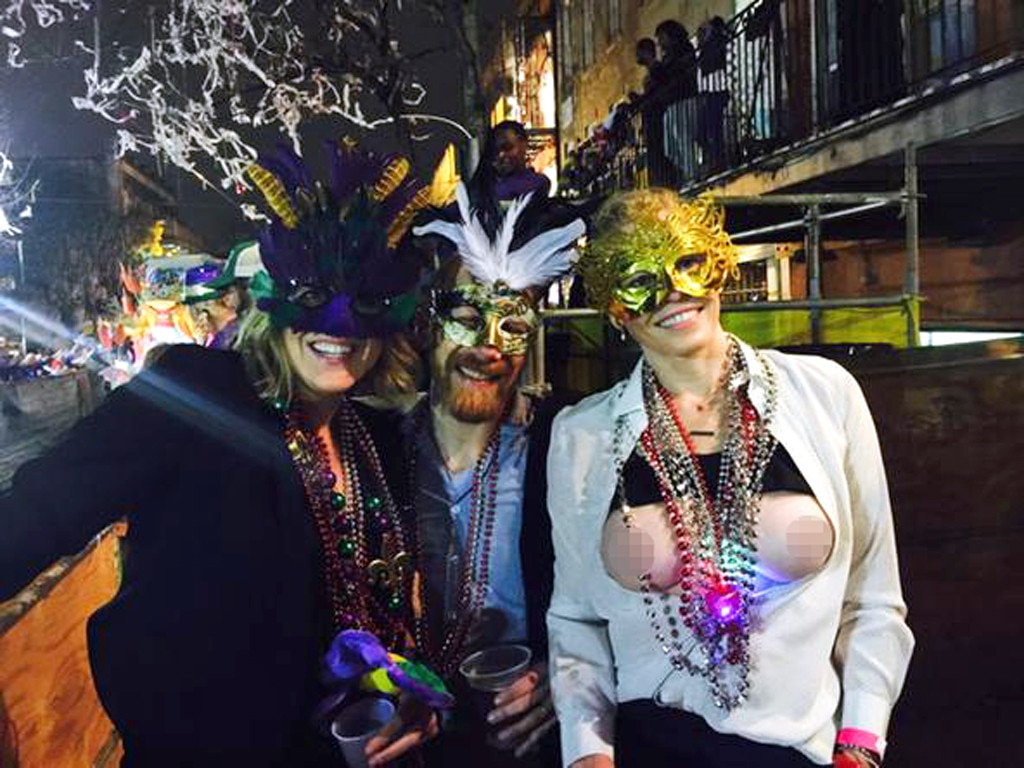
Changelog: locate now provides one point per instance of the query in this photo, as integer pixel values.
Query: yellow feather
(393, 175)
(400, 224)
(446, 179)
(274, 193)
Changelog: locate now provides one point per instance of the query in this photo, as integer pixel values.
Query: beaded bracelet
(874, 759)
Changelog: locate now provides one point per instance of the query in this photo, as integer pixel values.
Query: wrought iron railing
(784, 70)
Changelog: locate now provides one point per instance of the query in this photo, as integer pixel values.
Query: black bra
(641, 484)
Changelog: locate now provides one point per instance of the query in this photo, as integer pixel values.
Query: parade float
(154, 284)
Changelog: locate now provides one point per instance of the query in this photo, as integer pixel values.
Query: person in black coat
(678, 58)
(647, 57)
(256, 492)
(480, 501)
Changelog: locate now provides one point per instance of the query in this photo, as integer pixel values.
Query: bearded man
(484, 534)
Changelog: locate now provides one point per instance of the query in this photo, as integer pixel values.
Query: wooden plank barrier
(50, 716)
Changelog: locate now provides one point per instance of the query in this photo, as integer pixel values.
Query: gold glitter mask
(472, 315)
(650, 243)
(644, 284)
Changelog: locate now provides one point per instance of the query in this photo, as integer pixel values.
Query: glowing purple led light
(724, 602)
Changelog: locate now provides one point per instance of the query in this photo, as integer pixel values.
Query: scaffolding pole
(812, 247)
(21, 287)
(912, 278)
(800, 223)
(812, 198)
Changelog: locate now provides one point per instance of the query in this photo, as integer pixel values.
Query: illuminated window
(944, 338)
(752, 285)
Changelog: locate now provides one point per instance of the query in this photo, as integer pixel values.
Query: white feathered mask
(538, 262)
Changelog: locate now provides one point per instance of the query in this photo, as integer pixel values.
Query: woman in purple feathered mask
(263, 504)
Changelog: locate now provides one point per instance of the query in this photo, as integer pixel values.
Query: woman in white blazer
(726, 584)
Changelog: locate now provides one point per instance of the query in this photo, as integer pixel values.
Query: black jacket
(535, 546)
(210, 653)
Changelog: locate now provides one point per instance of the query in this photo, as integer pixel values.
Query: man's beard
(476, 404)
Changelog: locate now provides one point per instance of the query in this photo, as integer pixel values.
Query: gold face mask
(649, 243)
(472, 315)
(644, 284)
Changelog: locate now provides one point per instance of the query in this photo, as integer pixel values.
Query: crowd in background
(676, 108)
(18, 365)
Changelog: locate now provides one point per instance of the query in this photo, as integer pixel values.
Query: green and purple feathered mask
(336, 258)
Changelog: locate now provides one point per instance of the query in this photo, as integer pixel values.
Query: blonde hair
(261, 345)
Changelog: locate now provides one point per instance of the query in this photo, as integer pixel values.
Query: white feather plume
(544, 258)
(476, 256)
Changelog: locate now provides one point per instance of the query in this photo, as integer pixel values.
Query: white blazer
(832, 649)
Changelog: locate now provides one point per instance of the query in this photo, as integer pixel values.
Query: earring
(622, 335)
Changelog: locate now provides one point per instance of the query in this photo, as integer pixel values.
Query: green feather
(423, 674)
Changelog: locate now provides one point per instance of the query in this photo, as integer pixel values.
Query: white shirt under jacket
(833, 648)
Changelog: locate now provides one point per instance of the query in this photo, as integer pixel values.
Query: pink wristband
(856, 737)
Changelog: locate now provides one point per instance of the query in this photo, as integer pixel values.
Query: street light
(21, 284)
(25, 215)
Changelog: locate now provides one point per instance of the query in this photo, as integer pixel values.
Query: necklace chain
(367, 568)
(474, 578)
(716, 536)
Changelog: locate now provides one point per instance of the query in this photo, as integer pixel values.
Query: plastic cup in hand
(491, 671)
(356, 724)
(494, 669)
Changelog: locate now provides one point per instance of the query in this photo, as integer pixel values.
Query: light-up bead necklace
(716, 537)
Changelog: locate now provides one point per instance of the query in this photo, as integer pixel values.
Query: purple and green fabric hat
(199, 283)
(336, 255)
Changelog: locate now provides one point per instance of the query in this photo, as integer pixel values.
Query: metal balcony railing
(782, 71)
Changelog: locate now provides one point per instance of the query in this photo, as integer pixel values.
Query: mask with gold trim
(473, 315)
(532, 246)
(649, 243)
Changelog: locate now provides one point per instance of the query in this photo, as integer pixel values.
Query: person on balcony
(259, 497)
(672, 104)
(726, 583)
(713, 39)
(651, 110)
(712, 45)
(678, 58)
(647, 57)
(866, 82)
(504, 174)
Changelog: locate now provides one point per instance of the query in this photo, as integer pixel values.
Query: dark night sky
(37, 118)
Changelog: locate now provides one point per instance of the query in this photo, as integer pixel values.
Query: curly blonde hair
(261, 345)
(642, 223)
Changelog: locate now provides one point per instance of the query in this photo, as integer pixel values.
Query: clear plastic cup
(356, 724)
(488, 673)
(494, 669)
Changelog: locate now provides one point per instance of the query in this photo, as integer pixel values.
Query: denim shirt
(443, 509)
